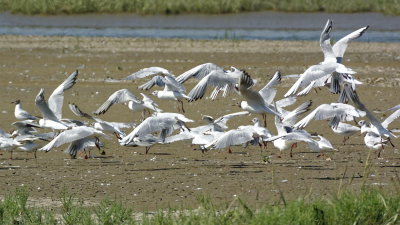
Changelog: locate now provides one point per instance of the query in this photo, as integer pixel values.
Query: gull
(326, 111)
(9, 144)
(339, 48)
(165, 123)
(29, 146)
(20, 113)
(25, 127)
(374, 141)
(113, 127)
(378, 127)
(243, 135)
(82, 145)
(49, 120)
(142, 73)
(173, 90)
(146, 141)
(345, 129)
(204, 134)
(231, 138)
(287, 136)
(289, 118)
(127, 97)
(255, 102)
(74, 136)
(199, 72)
(145, 72)
(320, 145)
(56, 98)
(222, 81)
(325, 68)
(268, 92)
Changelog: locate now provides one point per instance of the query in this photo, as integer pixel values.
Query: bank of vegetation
(369, 206)
(145, 7)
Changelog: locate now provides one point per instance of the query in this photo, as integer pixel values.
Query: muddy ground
(175, 175)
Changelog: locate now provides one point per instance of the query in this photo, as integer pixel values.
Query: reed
(145, 7)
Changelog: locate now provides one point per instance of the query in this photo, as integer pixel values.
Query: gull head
(16, 102)
(155, 93)
(255, 120)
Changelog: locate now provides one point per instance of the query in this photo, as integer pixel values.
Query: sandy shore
(174, 175)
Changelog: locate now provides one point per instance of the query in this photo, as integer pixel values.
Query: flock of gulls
(157, 126)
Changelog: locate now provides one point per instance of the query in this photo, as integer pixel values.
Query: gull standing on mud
(20, 113)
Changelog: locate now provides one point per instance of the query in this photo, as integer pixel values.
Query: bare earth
(175, 175)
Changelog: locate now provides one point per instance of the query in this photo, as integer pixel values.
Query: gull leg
(344, 140)
(229, 150)
(147, 149)
(390, 141)
(11, 154)
(183, 110)
(265, 119)
(291, 150)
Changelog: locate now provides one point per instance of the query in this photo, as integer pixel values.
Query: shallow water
(247, 26)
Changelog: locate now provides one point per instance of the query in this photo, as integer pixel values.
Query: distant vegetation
(367, 207)
(196, 6)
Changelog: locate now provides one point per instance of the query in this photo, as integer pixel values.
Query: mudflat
(174, 175)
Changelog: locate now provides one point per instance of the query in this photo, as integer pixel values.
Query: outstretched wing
(198, 72)
(41, 103)
(56, 99)
(120, 96)
(268, 92)
(340, 47)
(151, 71)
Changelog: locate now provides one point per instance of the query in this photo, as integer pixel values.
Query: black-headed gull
(255, 102)
(133, 102)
(221, 80)
(20, 113)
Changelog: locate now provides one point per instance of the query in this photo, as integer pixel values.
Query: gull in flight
(173, 90)
(342, 111)
(338, 49)
(52, 111)
(204, 134)
(345, 129)
(378, 127)
(102, 125)
(322, 70)
(77, 137)
(133, 102)
(199, 72)
(243, 135)
(145, 72)
(165, 123)
(222, 81)
(255, 102)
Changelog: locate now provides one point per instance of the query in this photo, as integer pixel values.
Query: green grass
(196, 6)
(369, 206)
